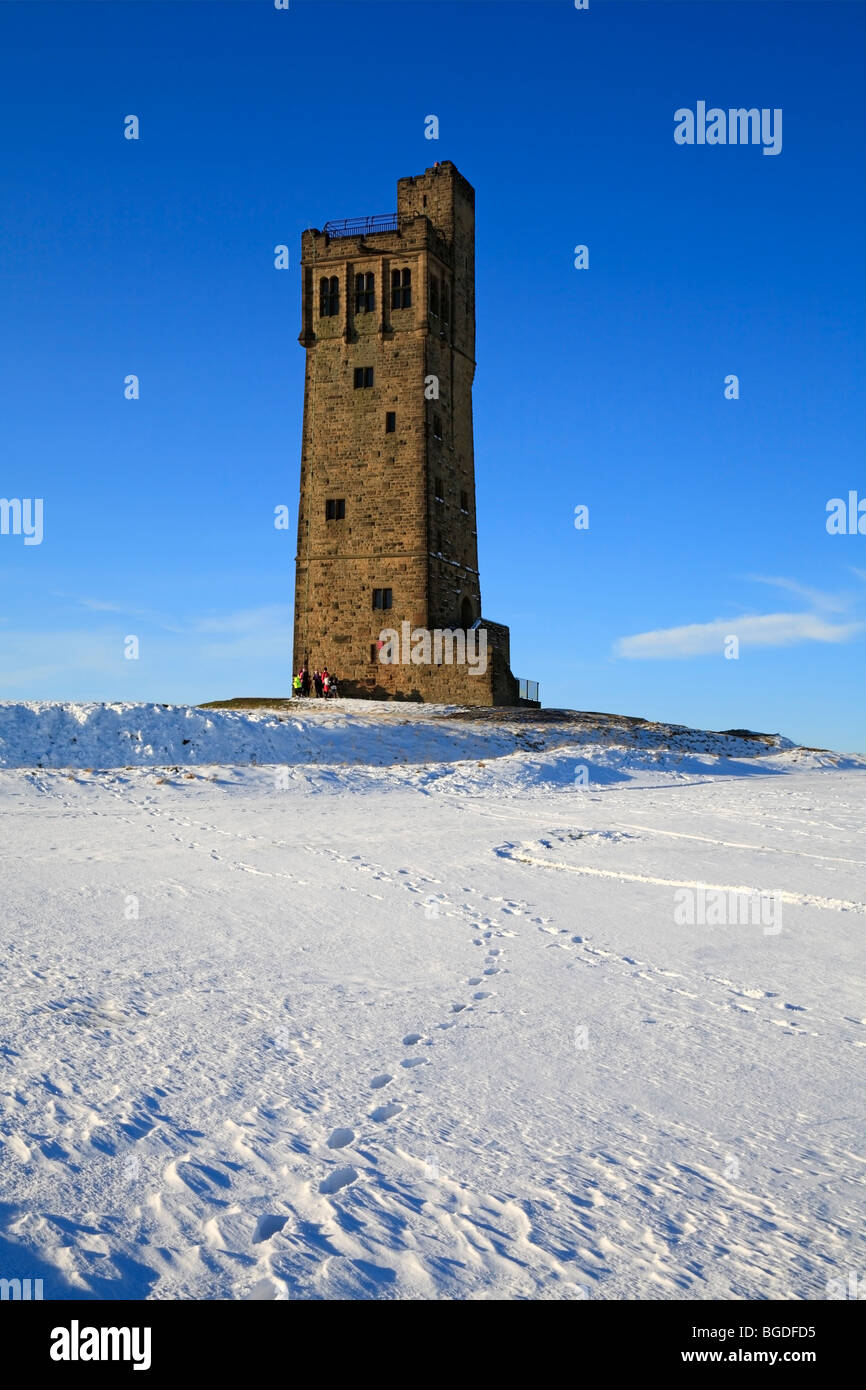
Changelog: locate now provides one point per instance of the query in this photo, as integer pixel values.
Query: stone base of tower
(445, 683)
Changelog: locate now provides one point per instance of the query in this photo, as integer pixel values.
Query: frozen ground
(403, 1009)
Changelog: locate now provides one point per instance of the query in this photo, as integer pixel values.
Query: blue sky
(602, 387)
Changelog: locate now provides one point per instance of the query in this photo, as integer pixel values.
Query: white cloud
(705, 639)
(196, 653)
(275, 616)
(833, 603)
(100, 605)
(32, 657)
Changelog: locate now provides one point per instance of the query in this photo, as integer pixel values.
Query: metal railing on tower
(363, 226)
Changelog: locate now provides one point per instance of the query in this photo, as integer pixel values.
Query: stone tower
(387, 535)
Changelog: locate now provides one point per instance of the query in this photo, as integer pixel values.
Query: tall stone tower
(386, 524)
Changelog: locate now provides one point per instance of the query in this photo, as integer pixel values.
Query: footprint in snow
(409, 1062)
(340, 1138)
(340, 1178)
(267, 1289)
(202, 1179)
(385, 1112)
(411, 1039)
(268, 1226)
(379, 1081)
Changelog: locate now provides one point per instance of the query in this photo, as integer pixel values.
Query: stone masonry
(386, 522)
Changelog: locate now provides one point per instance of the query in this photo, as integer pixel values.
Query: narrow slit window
(401, 289)
(390, 421)
(434, 296)
(365, 293)
(329, 296)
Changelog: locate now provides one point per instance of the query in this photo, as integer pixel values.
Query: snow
(386, 1003)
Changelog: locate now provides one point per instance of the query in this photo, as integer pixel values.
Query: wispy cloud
(753, 630)
(819, 600)
(196, 650)
(249, 620)
(101, 605)
(29, 658)
(705, 639)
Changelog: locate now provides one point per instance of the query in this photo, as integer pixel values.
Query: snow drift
(116, 735)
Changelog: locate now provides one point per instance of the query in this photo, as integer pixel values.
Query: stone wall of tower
(446, 684)
(448, 201)
(409, 495)
(348, 455)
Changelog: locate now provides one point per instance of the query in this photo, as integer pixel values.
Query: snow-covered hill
(396, 1003)
(348, 732)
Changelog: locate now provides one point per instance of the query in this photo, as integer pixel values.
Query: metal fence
(363, 226)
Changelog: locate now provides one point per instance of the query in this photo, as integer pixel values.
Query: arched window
(466, 613)
(365, 296)
(329, 296)
(401, 289)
